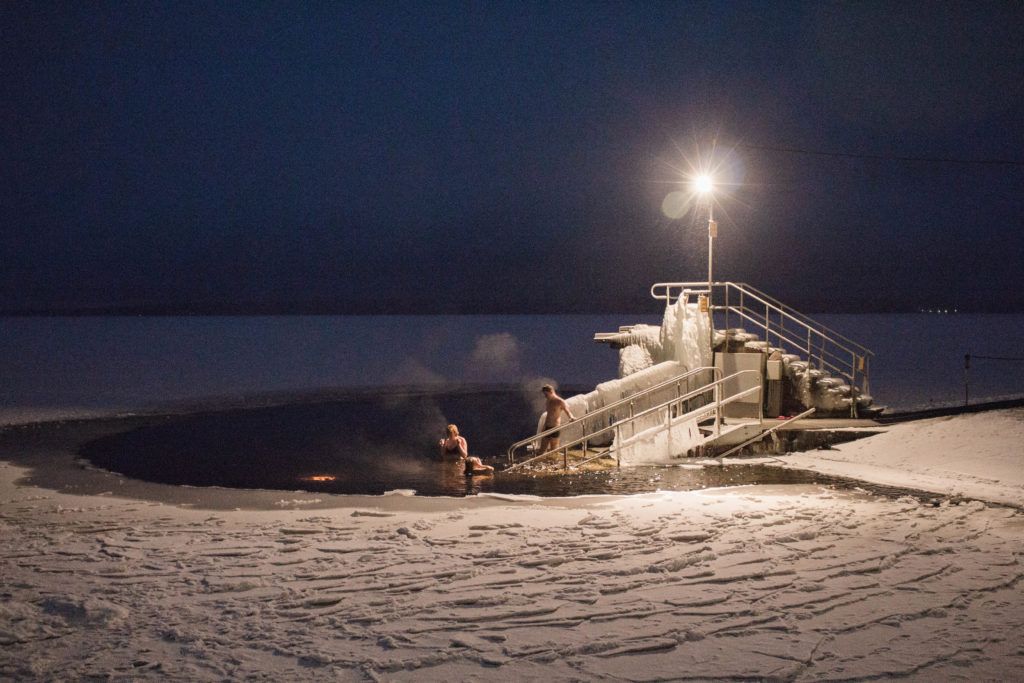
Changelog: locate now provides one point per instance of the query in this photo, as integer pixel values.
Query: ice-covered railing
(782, 326)
(676, 412)
(588, 427)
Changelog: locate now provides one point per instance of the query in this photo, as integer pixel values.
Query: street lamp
(704, 185)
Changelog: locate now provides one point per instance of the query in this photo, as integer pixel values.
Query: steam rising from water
(494, 356)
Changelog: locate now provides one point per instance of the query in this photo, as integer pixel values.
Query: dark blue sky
(482, 157)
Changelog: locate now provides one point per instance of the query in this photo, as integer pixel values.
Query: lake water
(51, 367)
(354, 404)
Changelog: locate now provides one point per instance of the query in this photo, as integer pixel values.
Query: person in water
(454, 444)
(555, 406)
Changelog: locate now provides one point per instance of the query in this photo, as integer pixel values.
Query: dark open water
(370, 444)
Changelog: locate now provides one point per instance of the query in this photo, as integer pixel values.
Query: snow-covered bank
(784, 583)
(979, 455)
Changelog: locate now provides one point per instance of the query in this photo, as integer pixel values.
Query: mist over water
(54, 367)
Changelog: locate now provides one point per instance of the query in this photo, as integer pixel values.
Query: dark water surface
(370, 444)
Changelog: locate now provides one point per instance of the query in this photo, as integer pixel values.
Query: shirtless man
(555, 405)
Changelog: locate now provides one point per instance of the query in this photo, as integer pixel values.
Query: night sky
(489, 157)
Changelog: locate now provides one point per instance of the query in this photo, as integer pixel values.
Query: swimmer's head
(452, 430)
(547, 389)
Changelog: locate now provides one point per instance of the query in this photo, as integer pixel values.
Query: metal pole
(718, 410)
(967, 378)
(712, 229)
(618, 446)
(853, 385)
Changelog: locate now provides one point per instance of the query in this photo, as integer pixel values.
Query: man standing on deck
(555, 406)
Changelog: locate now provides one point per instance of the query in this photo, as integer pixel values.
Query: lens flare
(704, 179)
(703, 184)
(676, 204)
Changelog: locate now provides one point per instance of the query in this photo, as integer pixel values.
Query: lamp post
(704, 185)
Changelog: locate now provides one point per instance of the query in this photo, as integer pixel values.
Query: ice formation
(681, 337)
(648, 356)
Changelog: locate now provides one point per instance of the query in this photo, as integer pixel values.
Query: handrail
(821, 352)
(770, 430)
(834, 351)
(788, 311)
(613, 405)
(802, 315)
(715, 407)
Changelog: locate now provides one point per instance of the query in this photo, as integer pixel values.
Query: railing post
(853, 385)
(618, 445)
(565, 458)
(727, 306)
(718, 410)
(767, 325)
(967, 378)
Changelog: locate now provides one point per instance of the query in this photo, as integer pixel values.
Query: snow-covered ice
(979, 455)
(779, 583)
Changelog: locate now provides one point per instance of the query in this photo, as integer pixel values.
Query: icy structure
(804, 385)
(607, 393)
(659, 444)
(813, 388)
(684, 335)
(648, 355)
(681, 337)
(639, 355)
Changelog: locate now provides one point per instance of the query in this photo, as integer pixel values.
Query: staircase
(681, 425)
(789, 365)
(822, 369)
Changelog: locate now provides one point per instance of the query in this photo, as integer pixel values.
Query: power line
(882, 157)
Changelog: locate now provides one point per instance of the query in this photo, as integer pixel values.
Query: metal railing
(782, 326)
(771, 430)
(673, 409)
(609, 410)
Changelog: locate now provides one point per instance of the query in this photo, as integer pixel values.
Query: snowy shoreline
(768, 582)
(974, 455)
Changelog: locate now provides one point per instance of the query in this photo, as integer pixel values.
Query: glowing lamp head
(703, 184)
